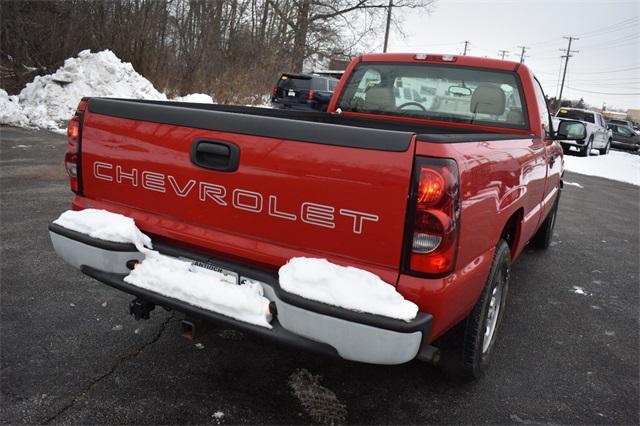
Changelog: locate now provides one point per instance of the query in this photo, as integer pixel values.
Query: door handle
(215, 155)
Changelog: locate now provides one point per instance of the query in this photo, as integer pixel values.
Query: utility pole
(524, 49)
(386, 33)
(502, 53)
(566, 56)
(466, 43)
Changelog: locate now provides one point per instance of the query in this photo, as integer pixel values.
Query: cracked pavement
(70, 353)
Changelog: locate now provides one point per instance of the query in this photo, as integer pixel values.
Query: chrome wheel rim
(494, 312)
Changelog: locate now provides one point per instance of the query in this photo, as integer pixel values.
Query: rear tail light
(433, 221)
(274, 92)
(72, 156)
(312, 95)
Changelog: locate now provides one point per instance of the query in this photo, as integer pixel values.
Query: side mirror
(571, 130)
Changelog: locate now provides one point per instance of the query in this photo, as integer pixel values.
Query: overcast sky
(609, 47)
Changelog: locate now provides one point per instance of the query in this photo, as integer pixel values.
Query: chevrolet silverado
(432, 172)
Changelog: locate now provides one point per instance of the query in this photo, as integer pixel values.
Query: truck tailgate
(298, 188)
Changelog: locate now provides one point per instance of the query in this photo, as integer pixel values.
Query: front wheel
(468, 347)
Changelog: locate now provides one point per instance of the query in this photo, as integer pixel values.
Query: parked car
(624, 137)
(436, 197)
(598, 136)
(303, 91)
(625, 123)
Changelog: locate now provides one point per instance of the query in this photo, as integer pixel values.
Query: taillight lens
(274, 92)
(434, 218)
(312, 95)
(72, 155)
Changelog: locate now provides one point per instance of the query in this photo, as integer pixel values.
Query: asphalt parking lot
(568, 348)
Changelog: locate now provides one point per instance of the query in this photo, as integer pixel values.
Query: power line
(624, 38)
(624, 22)
(609, 71)
(566, 57)
(604, 93)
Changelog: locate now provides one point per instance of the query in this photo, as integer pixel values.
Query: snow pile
(617, 165)
(50, 101)
(10, 110)
(208, 290)
(105, 225)
(199, 98)
(346, 287)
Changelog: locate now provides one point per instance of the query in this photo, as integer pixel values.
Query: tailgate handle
(215, 155)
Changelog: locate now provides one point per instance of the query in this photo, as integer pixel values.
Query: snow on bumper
(301, 322)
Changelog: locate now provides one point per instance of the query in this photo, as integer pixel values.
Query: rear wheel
(605, 150)
(586, 151)
(468, 347)
(542, 238)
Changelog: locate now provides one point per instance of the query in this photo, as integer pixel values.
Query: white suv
(598, 135)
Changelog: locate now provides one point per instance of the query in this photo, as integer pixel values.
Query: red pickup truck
(431, 171)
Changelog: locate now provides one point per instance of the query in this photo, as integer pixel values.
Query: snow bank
(50, 101)
(10, 110)
(346, 287)
(617, 165)
(105, 225)
(199, 98)
(177, 279)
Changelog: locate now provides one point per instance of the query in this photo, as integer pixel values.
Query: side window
(542, 106)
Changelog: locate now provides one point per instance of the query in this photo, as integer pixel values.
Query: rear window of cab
(436, 92)
(575, 114)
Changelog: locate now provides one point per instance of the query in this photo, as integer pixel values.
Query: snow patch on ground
(346, 287)
(199, 98)
(579, 290)
(617, 165)
(208, 290)
(105, 225)
(573, 184)
(218, 416)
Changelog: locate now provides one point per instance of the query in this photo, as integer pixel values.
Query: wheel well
(511, 231)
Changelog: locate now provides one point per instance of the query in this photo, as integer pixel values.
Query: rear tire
(542, 238)
(605, 150)
(586, 151)
(467, 349)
